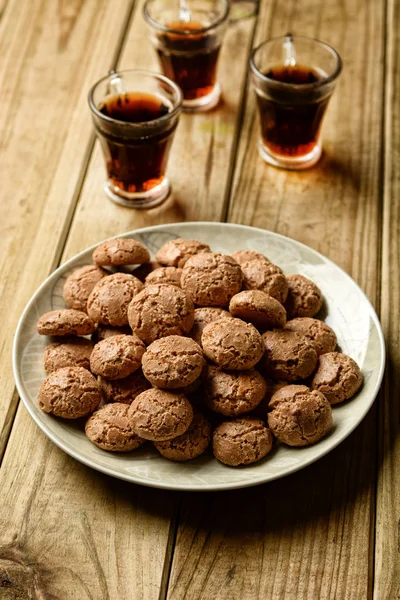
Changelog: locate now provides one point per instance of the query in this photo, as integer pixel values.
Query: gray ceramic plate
(347, 310)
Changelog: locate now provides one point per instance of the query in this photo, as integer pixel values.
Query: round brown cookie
(319, 334)
(124, 390)
(117, 357)
(288, 355)
(70, 393)
(79, 285)
(261, 309)
(67, 321)
(233, 393)
(110, 429)
(190, 444)
(108, 303)
(171, 275)
(105, 331)
(304, 297)
(232, 344)
(160, 310)
(121, 251)
(273, 386)
(142, 271)
(261, 275)
(241, 441)
(337, 376)
(71, 352)
(299, 416)
(172, 362)
(211, 279)
(242, 256)
(158, 415)
(176, 252)
(202, 317)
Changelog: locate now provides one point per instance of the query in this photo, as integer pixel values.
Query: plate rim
(189, 487)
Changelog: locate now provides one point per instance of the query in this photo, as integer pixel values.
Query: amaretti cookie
(160, 310)
(273, 385)
(117, 357)
(70, 393)
(241, 441)
(337, 376)
(258, 274)
(190, 444)
(73, 352)
(108, 303)
(79, 285)
(288, 355)
(304, 297)
(159, 415)
(232, 344)
(110, 429)
(64, 322)
(202, 317)
(299, 416)
(211, 279)
(319, 334)
(121, 251)
(173, 362)
(176, 252)
(259, 308)
(242, 256)
(124, 390)
(233, 393)
(171, 275)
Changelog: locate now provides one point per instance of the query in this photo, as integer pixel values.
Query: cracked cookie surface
(190, 444)
(159, 415)
(67, 321)
(288, 355)
(171, 275)
(211, 279)
(73, 352)
(79, 285)
(299, 416)
(259, 308)
(160, 310)
(121, 251)
(233, 393)
(259, 274)
(110, 429)
(203, 316)
(117, 357)
(232, 344)
(176, 252)
(108, 303)
(241, 441)
(173, 362)
(124, 390)
(304, 298)
(70, 393)
(319, 334)
(337, 376)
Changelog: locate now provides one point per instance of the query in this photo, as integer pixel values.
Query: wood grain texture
(51, 53)
(199, 166)
(387, 564)
(310, 535)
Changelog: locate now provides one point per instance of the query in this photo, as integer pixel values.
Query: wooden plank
(115, 540)
(199, 166)
(51, 53)
(309, 535)
(387, 574)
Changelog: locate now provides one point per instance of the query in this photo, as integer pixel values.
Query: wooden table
(327, 532)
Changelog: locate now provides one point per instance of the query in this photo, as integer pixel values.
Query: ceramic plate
(346, 310)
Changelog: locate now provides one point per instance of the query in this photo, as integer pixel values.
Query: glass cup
(293, 78)
(135, 114)
(187, 35)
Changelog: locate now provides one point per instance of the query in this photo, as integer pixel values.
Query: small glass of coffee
(135, 114)
(293, 78)
(187, 35)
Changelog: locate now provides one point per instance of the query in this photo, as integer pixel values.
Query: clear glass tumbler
(294, 78)
(135, 114)
(187, 35)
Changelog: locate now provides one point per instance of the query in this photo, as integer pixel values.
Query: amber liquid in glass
(136, 164)
(189, 59)
(290, 125)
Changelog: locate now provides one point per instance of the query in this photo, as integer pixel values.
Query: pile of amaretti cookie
(194, 342)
